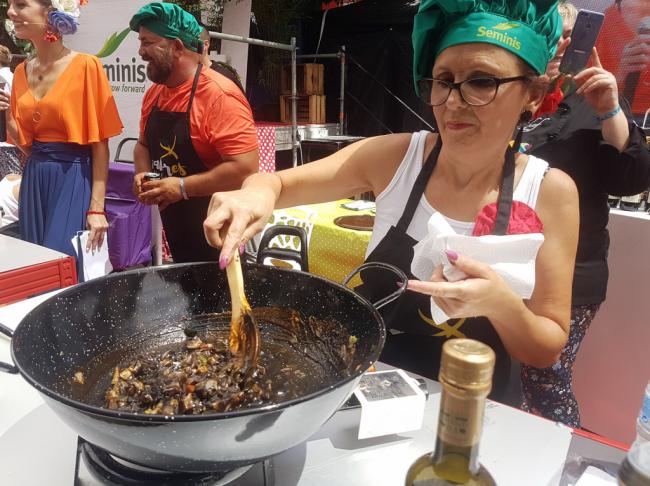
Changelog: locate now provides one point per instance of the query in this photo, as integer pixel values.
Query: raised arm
(368, 165)
(622, 158)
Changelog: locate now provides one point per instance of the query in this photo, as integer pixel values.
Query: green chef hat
(170, 21)
(529, 29)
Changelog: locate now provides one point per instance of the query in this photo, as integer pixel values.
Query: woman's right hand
(5, 100)
(234, 217)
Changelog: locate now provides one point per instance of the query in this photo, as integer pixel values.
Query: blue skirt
(55, 194)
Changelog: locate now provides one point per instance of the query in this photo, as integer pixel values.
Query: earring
(51, 35)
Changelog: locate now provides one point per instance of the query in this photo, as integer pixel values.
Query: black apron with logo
(173, 155)
(413, 342)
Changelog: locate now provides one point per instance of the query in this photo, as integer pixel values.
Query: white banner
(104, 32)
(237, 21)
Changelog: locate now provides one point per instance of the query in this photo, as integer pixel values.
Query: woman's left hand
(598, 86)
(97, 225)
(482, 293)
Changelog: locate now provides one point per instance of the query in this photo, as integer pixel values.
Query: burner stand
(108, 470)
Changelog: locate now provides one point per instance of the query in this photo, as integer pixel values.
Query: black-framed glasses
(478, 91)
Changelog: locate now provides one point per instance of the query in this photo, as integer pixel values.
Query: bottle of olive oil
(466, 371)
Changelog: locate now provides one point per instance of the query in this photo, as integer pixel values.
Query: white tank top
(392, 200)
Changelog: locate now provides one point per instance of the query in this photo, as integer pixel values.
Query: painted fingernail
(451, 255)
(399, 284)
(242, 248)
(223, 262)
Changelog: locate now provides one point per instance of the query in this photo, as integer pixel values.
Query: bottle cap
(635, 470)
(468, 364)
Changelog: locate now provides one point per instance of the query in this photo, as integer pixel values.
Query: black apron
(173, 155)
(413, 342)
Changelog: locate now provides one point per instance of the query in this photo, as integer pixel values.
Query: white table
(27, 269)
(15, 253)
(36, 448)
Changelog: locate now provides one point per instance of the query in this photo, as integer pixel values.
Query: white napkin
(95, 264)
(511, 256)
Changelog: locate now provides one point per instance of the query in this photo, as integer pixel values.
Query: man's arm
(226, 176)
(142, 163)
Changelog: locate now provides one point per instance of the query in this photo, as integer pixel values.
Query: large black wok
(143, 308)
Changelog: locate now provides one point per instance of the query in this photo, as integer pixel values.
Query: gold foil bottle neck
(467, 364)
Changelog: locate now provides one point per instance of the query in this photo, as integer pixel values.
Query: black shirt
(571, 140)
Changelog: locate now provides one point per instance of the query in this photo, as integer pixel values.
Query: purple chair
(129, 232)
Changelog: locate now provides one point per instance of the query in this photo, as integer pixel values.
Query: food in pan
(193, 378)
(198, 375)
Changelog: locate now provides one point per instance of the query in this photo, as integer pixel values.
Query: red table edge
(63, 269)
(601, 439)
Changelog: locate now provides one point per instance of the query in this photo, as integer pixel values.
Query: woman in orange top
(63, 114)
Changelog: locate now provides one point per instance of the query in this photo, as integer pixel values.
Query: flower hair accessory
(61, 23)
(62, 20)
(70, 7)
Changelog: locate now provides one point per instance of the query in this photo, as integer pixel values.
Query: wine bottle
(466, 370)
(632, 203)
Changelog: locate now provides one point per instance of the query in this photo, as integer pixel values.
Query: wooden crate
(309, 79)
(309, 109)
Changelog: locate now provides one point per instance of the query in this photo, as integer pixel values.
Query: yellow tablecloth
(333, 251)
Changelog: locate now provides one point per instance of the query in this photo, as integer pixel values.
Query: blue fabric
(55, 194)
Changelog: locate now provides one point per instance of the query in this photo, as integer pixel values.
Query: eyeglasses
(475, 91)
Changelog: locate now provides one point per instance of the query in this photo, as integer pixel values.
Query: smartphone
(583, 39)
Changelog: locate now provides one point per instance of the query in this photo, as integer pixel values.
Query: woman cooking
(476, 62)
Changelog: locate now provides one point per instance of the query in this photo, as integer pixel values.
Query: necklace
(40, 75)
(36, 116)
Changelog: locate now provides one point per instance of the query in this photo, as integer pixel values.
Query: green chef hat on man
(529, 29)
(170, 21)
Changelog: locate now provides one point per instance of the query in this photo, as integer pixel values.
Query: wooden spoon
(244, 341)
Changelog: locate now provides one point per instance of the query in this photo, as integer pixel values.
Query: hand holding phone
(583, 39)
(598, 86)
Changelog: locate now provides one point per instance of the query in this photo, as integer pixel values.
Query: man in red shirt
(196, 129)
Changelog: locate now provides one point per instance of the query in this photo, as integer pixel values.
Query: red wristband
(99, 213)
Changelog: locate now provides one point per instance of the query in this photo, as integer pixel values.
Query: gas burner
(99, 465)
